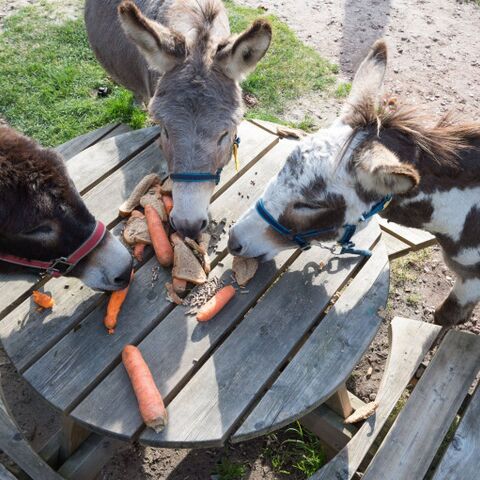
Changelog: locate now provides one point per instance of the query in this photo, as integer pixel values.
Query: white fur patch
(467, 291)
(468, 256)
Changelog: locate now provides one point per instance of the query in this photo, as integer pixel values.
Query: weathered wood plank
(419, 429)
(89, 459)
(340, 340)
(76, 145)
(266, 125)
(254, 143)
(185, 344)
(70, 366)
(412, 236)
(410, 340)
(339, 402)
(5, 474)
(95, 163)
(462, 458)
(395, 247)
(14, 444)
(206, 410)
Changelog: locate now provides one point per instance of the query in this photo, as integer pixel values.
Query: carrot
(216, 303)
(150, 402)
(160, 242)
(138, 250)
(43, 300)
(168, 202)
(114, 306)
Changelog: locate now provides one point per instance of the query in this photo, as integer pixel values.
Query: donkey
(44, 223)
(180, 58)
(377, 152)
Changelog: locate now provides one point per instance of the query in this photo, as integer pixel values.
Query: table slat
(70, 367)
(340, 340)
(412, 236)
(411, 443)
(462, 459)
(206, 410)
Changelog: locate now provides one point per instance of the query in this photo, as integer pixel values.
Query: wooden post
(340, 403)
(71, 436)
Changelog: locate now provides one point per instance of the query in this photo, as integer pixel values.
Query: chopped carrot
(138, 250)
(114, 306)
(150, 402)
(216, 303)
(160, 242)
(43, 300)
(168, 202)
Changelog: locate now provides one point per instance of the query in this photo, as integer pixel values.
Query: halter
(303, 239)
(62, 265)
(196, 177)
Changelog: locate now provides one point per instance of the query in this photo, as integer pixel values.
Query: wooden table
(276, 352)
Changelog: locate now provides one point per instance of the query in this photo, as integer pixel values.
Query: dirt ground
(434, 61)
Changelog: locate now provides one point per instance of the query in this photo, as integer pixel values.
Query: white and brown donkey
(179, 57)
(376, 150)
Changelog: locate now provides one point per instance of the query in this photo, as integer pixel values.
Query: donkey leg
(459, 305)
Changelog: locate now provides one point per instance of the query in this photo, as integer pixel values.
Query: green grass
(289, 70)
(300, 452)
(343, 89)
(228, 470)
(49, 76)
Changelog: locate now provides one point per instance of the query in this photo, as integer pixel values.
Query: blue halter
(195, 177)
(303, 239)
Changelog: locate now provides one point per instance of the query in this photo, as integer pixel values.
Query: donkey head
(197, 101)
(331, 178)
(43, 218)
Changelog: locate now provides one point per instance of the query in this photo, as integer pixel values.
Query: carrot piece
(216, 303)
(42, 299)
(160, 242)
(114, 306)
(150, 402)
(168, 202)
(138, 250)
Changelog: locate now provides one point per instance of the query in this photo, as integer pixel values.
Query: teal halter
(196, 177)
(303, 239)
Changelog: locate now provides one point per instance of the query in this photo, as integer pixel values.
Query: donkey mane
(443, 141)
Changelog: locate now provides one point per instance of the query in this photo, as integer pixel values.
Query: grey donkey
(179, 57)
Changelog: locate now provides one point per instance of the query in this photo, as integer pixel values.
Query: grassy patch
(228, 470)
(343, 89)
(289, 70)
(300, 452)
(49, 78)
(406, 269)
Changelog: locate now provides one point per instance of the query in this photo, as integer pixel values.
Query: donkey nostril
(204, 225)
(234, 247)
(124, 279)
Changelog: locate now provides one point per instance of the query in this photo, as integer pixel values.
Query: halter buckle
(60, 266)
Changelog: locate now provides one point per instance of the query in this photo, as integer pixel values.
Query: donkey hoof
(443, 318)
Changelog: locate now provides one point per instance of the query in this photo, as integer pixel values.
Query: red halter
(63, 265)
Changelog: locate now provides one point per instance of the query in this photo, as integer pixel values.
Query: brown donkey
(44, 223)
(180, 58)
(377, 150)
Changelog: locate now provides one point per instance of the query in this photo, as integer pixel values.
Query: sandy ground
(434, 61)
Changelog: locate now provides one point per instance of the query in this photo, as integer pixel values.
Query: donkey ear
(380, 171)
(161, 47)
(367, 84)
(241, 54)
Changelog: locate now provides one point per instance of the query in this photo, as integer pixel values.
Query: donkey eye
(223, 136)
(308, 206)
(44, 229)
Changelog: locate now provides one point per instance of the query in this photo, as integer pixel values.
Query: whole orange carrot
(150, 402)
(216, 303)
(160, 242)
(42, 299)
(114, 306)
(168, 202)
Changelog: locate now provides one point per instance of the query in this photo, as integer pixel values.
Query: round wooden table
(276, 352)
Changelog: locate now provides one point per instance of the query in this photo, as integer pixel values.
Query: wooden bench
(417, 439)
